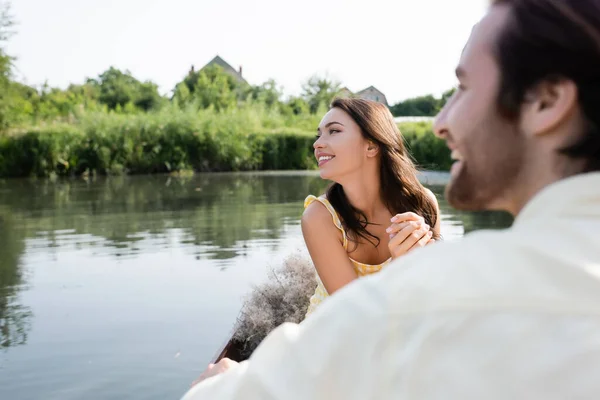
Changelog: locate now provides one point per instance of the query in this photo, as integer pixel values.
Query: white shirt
(512, 314)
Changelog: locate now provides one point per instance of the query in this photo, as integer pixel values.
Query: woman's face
(340, 147)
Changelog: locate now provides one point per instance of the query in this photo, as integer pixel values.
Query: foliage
(169, 141)
(248, 138)
(6, 22)
(298, 106)
(318, 92)
(115, 123)
(212, 86)
(215, 88)
(423, 106)
(5, 94)
(268, 93)
(428, 151)
(117, 89)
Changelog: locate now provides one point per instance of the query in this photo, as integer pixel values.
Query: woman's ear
(372, 149)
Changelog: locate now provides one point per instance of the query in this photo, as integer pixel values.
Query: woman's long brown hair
(401, 191)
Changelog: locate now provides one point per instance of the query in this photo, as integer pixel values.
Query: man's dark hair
(550, 40)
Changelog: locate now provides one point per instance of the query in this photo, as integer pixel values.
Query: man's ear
(547, 106)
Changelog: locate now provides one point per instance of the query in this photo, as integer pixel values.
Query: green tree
(54, 102)
(298, 106)
(267, 93)
(211, 86)
(416, 107)
(117, 89)
(147, 97)
(7, 21)
(51, 103)
(88, 94)
(190, 80)
(215, 88)
(422, 106)
(6, 24)
(214, 72)
(319, 92)
(5, 69)
(182, 95)
(23, 103)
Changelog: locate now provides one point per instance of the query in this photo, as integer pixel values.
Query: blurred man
(499, 315)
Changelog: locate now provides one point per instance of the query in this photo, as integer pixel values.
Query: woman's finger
(398, 237)
(407, 216)
(423, 241)
(397, 227)
(405, 239)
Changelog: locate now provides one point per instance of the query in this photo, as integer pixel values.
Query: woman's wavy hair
(401, 190)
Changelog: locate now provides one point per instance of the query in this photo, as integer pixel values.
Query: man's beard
(488, 176)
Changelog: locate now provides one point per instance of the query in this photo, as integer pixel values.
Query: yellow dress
(360, 268)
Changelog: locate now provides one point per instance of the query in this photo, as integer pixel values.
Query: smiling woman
(375, 210)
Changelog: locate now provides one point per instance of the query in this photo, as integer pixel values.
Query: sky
(405, 48)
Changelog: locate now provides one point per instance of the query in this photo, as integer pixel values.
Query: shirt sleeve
(333, 354)
(452, 322)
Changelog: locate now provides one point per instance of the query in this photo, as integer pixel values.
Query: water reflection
(217, 217)
(14, 318)
(464, 222)
(130, 214)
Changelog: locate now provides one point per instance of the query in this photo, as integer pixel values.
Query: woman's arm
(325, 245)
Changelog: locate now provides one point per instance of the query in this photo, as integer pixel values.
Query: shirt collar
(576, 196)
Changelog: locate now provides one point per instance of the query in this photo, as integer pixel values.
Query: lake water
(115, 286)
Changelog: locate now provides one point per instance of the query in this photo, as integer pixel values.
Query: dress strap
(336, 219)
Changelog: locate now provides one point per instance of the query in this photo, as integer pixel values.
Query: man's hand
(215, 369)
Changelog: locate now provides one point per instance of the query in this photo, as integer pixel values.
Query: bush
(251, 137)
(285, 151)
(428, 151)
(40, 152)
(152, 143)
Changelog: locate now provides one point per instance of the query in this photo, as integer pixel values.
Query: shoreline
(427, 177)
